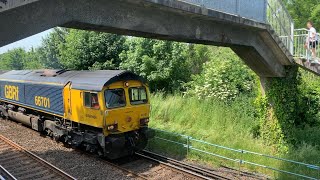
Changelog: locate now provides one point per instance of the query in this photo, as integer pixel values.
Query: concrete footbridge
(261, 32)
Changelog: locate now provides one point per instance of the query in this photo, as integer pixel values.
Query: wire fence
(183, 146)
(281, 22)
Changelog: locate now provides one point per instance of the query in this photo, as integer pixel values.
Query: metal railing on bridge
(302, 49)
(281, 22)
(272, 12)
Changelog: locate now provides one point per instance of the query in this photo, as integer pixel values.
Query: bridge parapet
(281, 22)
(272, 12)
(251, 9)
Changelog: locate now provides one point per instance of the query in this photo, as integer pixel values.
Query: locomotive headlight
(112, 127)
(126, 84)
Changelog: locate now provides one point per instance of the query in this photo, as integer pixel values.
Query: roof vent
(51, 72)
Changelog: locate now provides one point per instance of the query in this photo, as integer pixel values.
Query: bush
(224, 77)
(309, 100)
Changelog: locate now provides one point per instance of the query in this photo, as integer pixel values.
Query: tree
(163, 63)
(49, 51)
(84, 50)
(304, 10)
(197, 55)
(33, 60)
(18, 59)
(13, 59)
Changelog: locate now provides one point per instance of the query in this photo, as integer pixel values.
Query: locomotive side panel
(45, 97)
(12, 92)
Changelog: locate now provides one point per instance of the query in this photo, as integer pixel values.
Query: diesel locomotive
(105, 111)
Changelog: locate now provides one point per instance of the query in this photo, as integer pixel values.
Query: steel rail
(110, 163)
(5, 175)
(185, 168)
(125, 170)
(48, 168)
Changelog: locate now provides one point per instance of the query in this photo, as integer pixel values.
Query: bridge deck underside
(256, 43)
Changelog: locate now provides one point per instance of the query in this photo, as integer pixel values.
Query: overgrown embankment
(233, 125)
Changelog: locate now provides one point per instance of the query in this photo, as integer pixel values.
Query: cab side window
(91, 100)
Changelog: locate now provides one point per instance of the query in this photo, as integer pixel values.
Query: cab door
(92, 114)
(67, 101)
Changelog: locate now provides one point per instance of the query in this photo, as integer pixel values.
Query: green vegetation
(163, 63)
(18, 59)
(224, 77)
(212, 121)
(231, 125)
(304, 10)
(90, 50)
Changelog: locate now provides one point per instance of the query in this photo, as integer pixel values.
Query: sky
(27, 43)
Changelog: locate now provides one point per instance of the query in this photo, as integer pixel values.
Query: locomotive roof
(84, 80)
(3, 71)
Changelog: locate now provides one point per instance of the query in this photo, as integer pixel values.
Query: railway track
(148, 165)
(190, 170)
(23, 164)
(5, 175)
(145, 165)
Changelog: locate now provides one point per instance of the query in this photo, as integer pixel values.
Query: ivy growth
(278, 109)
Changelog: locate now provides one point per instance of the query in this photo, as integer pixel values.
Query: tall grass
(213, 121)
(229, 125)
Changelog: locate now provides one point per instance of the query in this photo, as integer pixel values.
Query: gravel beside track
(193, 171)
(82, 165)
(149, 169)
(72, 162)
(23, 164)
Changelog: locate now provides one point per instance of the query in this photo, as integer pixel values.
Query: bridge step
(307, 65)
(281, 45)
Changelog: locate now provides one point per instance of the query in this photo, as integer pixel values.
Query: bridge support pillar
(278, 107)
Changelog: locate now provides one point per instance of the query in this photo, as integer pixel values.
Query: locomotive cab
(126, 112)
(126, 107)
(120, 109)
